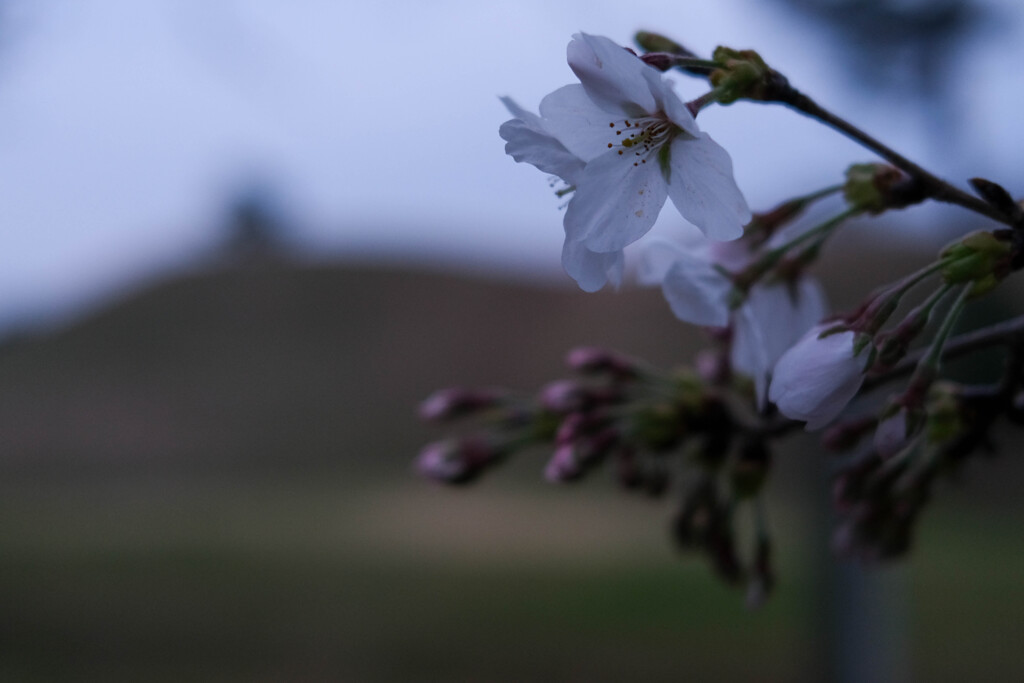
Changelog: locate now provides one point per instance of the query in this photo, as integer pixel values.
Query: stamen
(644, 137)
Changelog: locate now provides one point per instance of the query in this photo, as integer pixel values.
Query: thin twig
(933, 186)
(1008, 333)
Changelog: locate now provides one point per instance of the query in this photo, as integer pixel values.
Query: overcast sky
(127, 125)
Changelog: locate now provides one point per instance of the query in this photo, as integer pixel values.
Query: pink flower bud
(457, 461)
(563, 396)
(447, 404)
(593, 360)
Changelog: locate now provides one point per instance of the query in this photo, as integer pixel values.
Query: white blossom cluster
(623, 142)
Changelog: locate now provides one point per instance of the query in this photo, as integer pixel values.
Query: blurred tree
(255, 227)
(902, 46)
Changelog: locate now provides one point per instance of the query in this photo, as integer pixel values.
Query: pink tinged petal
(612, 76)
(667, 102)
(695, 291)
(592, 270)
(525, 144)
(573, 118)
(702, 187)
(616, 202)
(817, 377)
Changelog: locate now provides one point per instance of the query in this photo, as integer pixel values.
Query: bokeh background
(241, 241)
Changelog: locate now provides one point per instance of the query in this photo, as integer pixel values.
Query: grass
(317, 581)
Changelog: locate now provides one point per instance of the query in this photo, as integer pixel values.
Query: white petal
(615, 203)
(525, 144)
(749, 354)
(702, 187)
(773, 319)
(696, 292)
(572, 117)
(656, 259)
(532, 121)
(811, 304)
(667, 101)
(612, 76)
(592, 270)
(817, 377)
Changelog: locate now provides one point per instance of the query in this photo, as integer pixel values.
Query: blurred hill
(276, 366)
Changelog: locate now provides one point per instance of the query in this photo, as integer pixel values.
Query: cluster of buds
(644, 425)
(624, 144)
(880, 493)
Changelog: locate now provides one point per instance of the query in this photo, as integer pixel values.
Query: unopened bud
(563, 396)
(655, 42)
(977, 257)
(572, 459)
(897, 426)
(998, 197)
(448, 404)
(713, 366)
(946, 418)
(871, 187)
(591, 360)
(845, 435)
(459, 460)
(564, 465)
(741, 74)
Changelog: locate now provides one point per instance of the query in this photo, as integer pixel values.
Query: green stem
(930, 362)
(772, 257)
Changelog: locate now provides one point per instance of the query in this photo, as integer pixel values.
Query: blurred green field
(309, 580)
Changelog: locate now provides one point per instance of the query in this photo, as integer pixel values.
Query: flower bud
(571, 460)
(897, 426)
(871, 186)
(458, 460)
(564, 465)
(946, 418)
(818, 376)
(742, 73)
(451, 403)
(591, 360)
(655, 42)
(563, 396)
(979, 256)
(845, 435)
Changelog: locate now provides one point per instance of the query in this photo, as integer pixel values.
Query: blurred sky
(127, 126)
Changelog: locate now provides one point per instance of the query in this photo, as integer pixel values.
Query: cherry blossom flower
(769, 321)
(815, 379)
(528, 140)
(639, 145)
